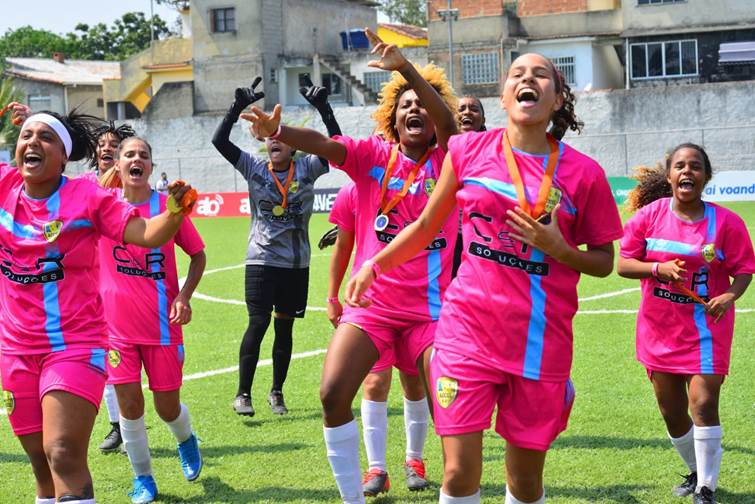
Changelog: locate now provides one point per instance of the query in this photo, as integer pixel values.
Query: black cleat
(704, 496)
(242, 405)
(687, 487)
(276, 402)
(113, 440)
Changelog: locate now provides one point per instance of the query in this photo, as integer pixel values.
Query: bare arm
(414, 238)
(339, 263)
(671, 271)
(180, 310)
(155, 232)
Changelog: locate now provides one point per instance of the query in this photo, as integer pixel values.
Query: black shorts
(282, 289)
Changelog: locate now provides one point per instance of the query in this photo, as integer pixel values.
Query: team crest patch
(9, 401)
(52, 230)
(709, 252)
(554, 198)
(430, 186)
(114, 358)
(294, 187)
(446, 390)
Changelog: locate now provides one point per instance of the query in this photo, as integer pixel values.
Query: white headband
(56, 125)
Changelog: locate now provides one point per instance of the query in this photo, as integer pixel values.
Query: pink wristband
(333, 300)
(654, 270)
(376, 271)
(276, 134)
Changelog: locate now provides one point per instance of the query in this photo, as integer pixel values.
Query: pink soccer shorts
(531, 414)
(162, 363)
(27, 378)
(399, 342)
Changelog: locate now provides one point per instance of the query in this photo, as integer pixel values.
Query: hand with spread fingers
(180, 311)
(545, 237)
(390, 55)
(317, 96)
(245, 96)
(263, 125)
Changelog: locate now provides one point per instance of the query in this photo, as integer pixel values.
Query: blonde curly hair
(385, 115)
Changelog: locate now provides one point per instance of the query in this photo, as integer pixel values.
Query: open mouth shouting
(415, 125)
(32, 160)
(686, 185)
(527, 97)
(135, 172)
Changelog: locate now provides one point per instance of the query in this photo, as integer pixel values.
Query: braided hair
(565, 118)
(122, 132)
(653, 182)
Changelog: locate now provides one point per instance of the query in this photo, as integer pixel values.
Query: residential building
(582, 37)
(688, 41)
(60, 85)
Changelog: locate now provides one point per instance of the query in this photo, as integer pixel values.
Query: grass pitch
(614, 451)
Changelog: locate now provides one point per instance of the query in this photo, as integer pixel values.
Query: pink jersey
(50, 290)
(415, 289)
(90, 176)
(674, 334)
(139, 284)
(344, 215)
(511, 306)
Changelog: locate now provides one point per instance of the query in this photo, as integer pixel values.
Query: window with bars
(480, 68)
(223, 20)
(375, 80)
(568, 67)
(37, 103)
(654, 2)
(657, 60)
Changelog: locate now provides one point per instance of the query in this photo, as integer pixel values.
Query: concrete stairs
(370, 97)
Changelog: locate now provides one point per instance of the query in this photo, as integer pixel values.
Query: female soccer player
(108, 137)
(377, 385)
(281, 194)
(53, 335)
(505, 333)
(685, 250)
(394, 177)
(471, 118)
(144, 311)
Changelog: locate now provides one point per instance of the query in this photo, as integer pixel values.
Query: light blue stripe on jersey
(434, 269)
(396, 183)
(50, 289)
(98, 358)
(496, 186)
(162, 296)
(80, 223)
(672, 247)
(18, 230)
(706, 340)
(533, 355)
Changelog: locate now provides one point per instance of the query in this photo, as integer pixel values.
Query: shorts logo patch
(52, 230)
(709, 252)
(446, 390)
(114, 358)
(9, 401)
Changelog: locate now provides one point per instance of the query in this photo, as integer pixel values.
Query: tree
(28, 42)
(8, 131)
(176, 4)
(128, 35)
(412, 12)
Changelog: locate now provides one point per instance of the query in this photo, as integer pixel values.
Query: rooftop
(67, 72)
(411, 31)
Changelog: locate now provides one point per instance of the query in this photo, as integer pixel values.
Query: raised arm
(304, 139)
(317, 96)
(156, 231)
(392, 59)
(221, 139)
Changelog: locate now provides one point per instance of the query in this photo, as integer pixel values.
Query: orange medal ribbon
(282, 188)
(385, 208)
(516, 178)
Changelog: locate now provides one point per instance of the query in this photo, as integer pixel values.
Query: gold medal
(278, 210)
(381, 222)
(554, 197)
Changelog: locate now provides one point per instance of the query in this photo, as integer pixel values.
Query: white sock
(181, 426)
(375, 432)
(416, 414)
(42, 500)
(111, 402)
(510, 499)
(134, 436)
(685, 445)
(85, 501)
(469, 499)
(342, 444)
(708, 451)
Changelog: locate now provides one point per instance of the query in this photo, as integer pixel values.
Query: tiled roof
(411, 31)
(67, 73)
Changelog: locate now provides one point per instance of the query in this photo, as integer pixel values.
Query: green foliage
(412, 12)
(125, 37)
(8, 93)
(176, 4)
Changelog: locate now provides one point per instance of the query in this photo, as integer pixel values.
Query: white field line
(610, 294)
(612, 312)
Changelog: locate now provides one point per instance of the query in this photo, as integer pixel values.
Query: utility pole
(450, 15)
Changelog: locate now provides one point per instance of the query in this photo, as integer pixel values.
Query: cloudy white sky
(61, 16)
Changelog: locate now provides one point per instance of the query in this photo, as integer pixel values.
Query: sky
(51, 15)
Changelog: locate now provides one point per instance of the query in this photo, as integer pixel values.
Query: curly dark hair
(565, 118)
(653, 182)
(122, 132)
(81, 128)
